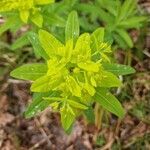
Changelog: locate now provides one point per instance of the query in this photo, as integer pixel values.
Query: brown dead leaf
(6, 118)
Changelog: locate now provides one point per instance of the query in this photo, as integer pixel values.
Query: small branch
(17, 81)
(43, 132)
(39, 143)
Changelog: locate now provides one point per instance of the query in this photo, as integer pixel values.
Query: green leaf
(72, 27)
(73, 86)
(90, 114)
(38, 104)
(119, 41)
(29, 71)
(45, 84)
(20, 42)
(55, 19)
(133, 22)
(109, 80)
(38, 50)
(109, 102)
(67, 117)
(90, 89)
(82, 47)
(9, 24)
(110, 6)
(89, 66)
(76, 104)
(49, 43)
(118, 69)
(24, 15)
(88, 9)
(37, 19)
(68, 51)
(124, 34)
(127, 9)
(96, 38)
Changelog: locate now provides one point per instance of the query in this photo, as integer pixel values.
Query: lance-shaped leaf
(97, 37)
(38, 104)
(76, 104)
(133, 22)
(38, 50)
(37, 19)
(109, 102)
(118, 69)
(24, 15)
(10, 23)
(73, 86)
(49, 43)
(29, 71)
(109, 80)
(82, 47)
(89, 66)
(127, 9)
(125, 36)
(72, 27)
(46, 83)
(67, 116)
(20, 42)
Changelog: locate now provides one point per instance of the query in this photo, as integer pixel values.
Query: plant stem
(98, 116)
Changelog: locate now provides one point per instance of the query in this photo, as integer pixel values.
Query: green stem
(128, 57)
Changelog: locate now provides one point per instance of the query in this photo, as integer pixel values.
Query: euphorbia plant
(76, 74)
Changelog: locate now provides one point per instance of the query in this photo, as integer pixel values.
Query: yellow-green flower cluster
(71, 69)
(27, 9)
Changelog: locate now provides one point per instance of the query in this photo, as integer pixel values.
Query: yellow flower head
(26, 8)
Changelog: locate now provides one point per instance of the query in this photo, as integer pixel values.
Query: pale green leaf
(73, 86)
(82, 47)
(96, 38)
(38, 50)
(46, 83)
(90, 89)
(67, 117)
(89, 66)
(118, 69)
(68, 50)
(72, 27)
(109, 80)
(49, 43)
(37, 19)
(76, 104)
(24, 15)
(29, 71)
